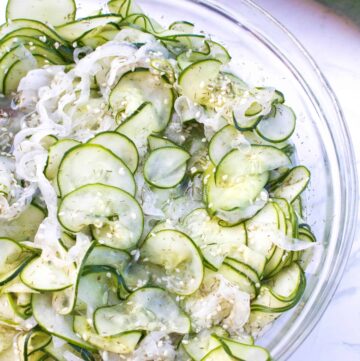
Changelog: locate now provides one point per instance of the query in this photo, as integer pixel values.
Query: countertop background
(334, 42)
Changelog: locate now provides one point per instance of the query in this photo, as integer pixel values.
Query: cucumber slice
(13, 259)
(141, 86)
(280, 126)
(64, 301)
(18, 24)
(262, 229)
(73, 31)
(13, 42)
(166, 167)
(251, 258)
(178, 262)
(120, 344)
(115, 217)
(58, 325)
(139, 125)
(245, 352)
(199, 345)
(90, 164)
(293, 185)
(49, 11)
(215, 242)
(239, 195)
(147, 309)
(219, 354)
(158, 142)
(225, 140)
(254, 160)
(245, 269)
(283, 293)
(56, 154)
(123, 7)
(196, 78)
(42, 275)
(286, 284)
(239, 279)
(212, 50)
(121, 146)
(107, 256)
(25, 226)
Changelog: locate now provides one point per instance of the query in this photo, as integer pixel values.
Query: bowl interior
(264, 54)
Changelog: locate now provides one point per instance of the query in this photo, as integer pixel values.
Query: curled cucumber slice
(115, 217)
(121, 146)
(278, 127)
(50, 11)
(90, 164)
(256, 159)
(177, 262)
(166, 167)
(147, 309)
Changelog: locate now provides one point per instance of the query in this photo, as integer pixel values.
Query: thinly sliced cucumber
(107, 256)
(285, 285)
(18, 24)
(280, 126)
(239, 279)
(18, 70)
(212, 50)
(64, 301)
(56, 154)
(274, 262)
(156, 142)
(166, 167)
(115, 217)
(239, 195)
(74, 30)
(252, 106)
(120, 344)
(13, 42)
(22, 59)
(289, 288)
(58, 325)
(120, 145)
(196, 78)
(42, 275)
(146, 309)
(245, 269)
(262, 229)
(246, 352)
(251, 258)
(90, 164)
(24, 227)
(254, 138)
(140, 86)
(178, 261)
(225, 140)
(254, 160)
(202, 343)
(50, 11)
(139, 125)
(293, 184)
(219, 354)
(214, 241)
(124, 7)
(13, 259)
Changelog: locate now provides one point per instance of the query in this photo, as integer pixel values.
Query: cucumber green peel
(169, 216)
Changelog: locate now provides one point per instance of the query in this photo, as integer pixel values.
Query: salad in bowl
(150, 199)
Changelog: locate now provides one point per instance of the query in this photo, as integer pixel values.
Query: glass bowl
(265, 53)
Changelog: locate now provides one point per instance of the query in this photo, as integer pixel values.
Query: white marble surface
(334, 42)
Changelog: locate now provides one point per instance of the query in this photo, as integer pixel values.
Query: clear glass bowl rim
(328, 104)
